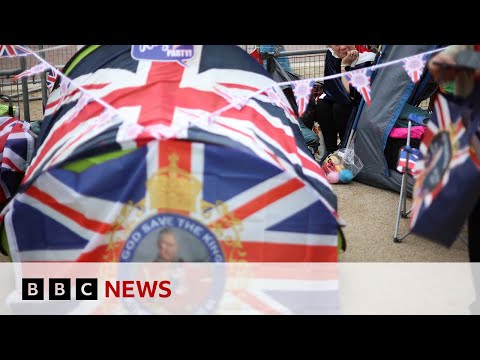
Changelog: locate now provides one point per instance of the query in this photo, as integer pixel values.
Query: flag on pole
(413, 157)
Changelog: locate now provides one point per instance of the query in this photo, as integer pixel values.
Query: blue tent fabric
(391, 89)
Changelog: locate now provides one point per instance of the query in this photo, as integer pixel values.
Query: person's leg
(327, 125)
(341, 115)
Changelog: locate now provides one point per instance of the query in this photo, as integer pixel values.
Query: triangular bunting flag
(238, 102)
(82, 101)
(276, 99)
(51, 79)
(360, 80)
(414, 66)
(64, 85)
(105, 118)
(12, 50)
(302, 90)
(32, 71)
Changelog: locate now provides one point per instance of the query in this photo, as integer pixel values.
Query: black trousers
(333, 119)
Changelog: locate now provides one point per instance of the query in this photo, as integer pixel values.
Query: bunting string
(413, 65)
(10, 53)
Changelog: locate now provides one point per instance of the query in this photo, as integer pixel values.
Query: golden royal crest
(172, 188)
(176, 191)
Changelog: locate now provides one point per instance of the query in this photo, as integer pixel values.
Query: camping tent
(111, 175)
(391, 90)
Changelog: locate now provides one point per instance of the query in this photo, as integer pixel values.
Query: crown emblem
(172, 188)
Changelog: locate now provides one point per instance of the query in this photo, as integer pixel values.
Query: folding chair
(402, 202)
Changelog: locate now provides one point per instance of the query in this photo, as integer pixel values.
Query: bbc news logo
(87, 289)
(59, 289)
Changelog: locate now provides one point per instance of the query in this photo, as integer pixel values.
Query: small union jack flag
(409, 166)
(414, 66)
(360, 80)
(32, 71)
(51, 79)
(302, 90)
(13, 50)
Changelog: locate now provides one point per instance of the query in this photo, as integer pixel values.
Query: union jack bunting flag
(414, 66)
(51, 79)
(449, 186)
(302, 90)
(277, 99)
(241, 188)
(360, 80)
(13, 50)
(32, 71)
